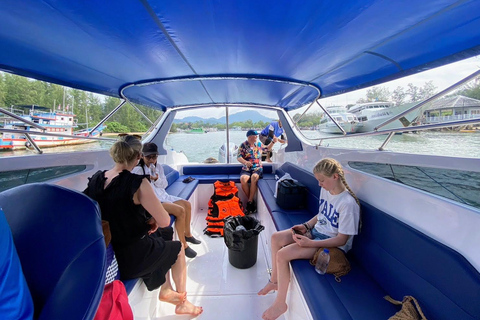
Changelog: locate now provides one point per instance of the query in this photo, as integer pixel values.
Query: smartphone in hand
(295, 231)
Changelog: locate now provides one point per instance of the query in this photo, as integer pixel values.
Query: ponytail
(329, 167)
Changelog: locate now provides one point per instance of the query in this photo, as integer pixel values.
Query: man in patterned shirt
(250, 155)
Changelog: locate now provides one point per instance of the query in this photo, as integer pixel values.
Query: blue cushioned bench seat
(59, 239)
(209, 173)
(388, 258)
(176, 186)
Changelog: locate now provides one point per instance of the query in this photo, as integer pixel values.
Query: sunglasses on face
(152, 157)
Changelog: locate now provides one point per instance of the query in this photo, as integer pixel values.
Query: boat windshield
(200, 135)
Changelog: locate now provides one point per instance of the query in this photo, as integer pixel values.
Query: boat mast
(63, 107)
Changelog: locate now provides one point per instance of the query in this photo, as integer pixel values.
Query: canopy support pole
(331, 118)
(432, 98)
(384, 144)
(140, 112)
(227, 151)
(13, 115)
(108, 116)
(37, 148)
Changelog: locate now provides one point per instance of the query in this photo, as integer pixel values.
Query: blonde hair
(329, 167)
(127, 149)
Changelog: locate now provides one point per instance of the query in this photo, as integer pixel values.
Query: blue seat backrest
(171, 174)
(405, 261)
(219, 169)
(60, 243)
(305, 177)
(15, 299)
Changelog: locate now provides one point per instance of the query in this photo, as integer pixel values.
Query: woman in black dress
(128, 202)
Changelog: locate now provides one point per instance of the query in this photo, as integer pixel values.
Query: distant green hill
(237, 117)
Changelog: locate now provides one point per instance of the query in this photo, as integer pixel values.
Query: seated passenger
(180, 208)
(334, 226)
(15, 299)
(250, 155)
(124, 199)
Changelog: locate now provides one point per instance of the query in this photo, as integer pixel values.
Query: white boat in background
(232, 152)
(348, 122)
(372, 114)
(54, 122)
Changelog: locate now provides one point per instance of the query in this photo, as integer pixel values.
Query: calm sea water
(198, 147)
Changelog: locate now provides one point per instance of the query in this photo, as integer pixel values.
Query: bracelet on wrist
(307, 226)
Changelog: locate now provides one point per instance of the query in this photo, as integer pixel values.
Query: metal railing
(391, 132)
(437, 119)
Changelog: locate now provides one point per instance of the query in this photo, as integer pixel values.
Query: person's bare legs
(187, 207)
(168, 294)
(245, 186)
(253, 186)
(180, 217)
(283, 257)
(268, 157)
(179, 275)
(278, 240)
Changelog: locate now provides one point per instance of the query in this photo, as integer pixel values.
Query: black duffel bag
(291, 194)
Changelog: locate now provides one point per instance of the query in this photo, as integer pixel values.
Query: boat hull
(332, 128)
(42, 142)
(377, 117)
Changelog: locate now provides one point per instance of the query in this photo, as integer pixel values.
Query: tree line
(414, 93)
(88, 107)
(91, 108)
(399, 96)
(244, 125)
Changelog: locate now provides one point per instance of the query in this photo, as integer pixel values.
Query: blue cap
(251, 133)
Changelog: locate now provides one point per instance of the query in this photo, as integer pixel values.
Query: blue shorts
(317, 235)
(251, 172)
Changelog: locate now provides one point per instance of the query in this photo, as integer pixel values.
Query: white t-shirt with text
(338, 213)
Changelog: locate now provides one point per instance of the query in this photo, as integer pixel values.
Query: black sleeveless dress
(138, 254)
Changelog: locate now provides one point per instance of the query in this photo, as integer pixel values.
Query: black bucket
(242, 244)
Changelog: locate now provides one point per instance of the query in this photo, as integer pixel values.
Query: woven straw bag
(338, 265)
(410, 309)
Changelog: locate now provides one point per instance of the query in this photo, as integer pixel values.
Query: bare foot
(275, 311)
(188, 308)
(270, 286)
(172, 297)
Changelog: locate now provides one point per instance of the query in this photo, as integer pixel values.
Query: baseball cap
(149, 148)
(251, 133)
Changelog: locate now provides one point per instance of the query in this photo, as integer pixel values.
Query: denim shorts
(317, 235)
(250, 172)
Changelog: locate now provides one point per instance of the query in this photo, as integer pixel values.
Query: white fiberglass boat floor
(223, 291)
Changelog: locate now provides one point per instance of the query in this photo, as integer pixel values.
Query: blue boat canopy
(280, 53)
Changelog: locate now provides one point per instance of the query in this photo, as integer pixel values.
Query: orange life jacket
(225, 189)
(223, 203)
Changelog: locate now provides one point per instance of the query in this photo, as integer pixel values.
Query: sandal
(188, 180)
